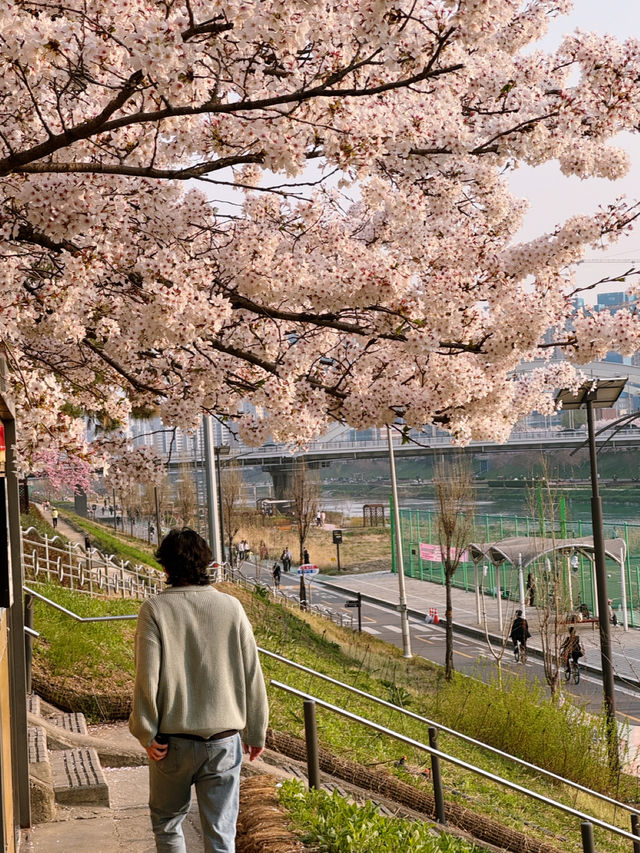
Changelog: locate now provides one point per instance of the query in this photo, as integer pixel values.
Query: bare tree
(305, 495)
(455, 507)
(186, 502)
(231, 491)
(551, 600)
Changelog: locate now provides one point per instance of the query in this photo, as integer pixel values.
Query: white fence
(85, 570)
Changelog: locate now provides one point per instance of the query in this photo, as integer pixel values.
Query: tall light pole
(212, 490)
(404, 618)
(599, 394)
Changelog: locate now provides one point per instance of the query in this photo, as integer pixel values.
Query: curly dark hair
(185, 556)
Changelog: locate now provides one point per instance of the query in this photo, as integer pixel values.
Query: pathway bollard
(311, 738)
(587, 837)
(437, 777)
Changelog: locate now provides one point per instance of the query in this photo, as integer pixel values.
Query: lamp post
(599, 394)
(404, 617)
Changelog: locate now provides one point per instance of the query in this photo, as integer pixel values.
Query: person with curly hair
(199, 697)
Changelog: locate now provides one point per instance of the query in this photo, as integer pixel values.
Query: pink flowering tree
(302, 204)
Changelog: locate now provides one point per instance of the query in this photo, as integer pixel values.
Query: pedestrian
(305, 556)
(199, 697)
(275, 572)
(54, 517)
(285, 559)
(613, 619)
(531, 589)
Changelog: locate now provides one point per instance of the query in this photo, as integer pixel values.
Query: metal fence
(420, 526)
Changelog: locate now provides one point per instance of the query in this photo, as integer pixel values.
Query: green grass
(127, 548)
(333, 825)
(34, 519)
(97, 653)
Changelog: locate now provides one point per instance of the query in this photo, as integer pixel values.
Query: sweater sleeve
(144, 719)
(256, 693)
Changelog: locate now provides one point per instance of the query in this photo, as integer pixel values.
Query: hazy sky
(554, 197)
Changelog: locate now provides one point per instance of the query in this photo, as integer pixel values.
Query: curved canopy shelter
(530, 548)
(520, 552)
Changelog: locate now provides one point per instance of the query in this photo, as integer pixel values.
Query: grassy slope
(516, 719)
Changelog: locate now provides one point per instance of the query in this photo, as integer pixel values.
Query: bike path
(382, 588)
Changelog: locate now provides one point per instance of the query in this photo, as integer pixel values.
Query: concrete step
(71, 776)
(78, 777)
(71, 722)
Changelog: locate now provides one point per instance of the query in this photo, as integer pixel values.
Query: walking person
(275, 573)
(305, 556)
(531, 589)
(54, 517)
(199, 697)
(285, 559)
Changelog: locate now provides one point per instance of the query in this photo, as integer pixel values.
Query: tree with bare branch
(231, 492)
(454, 521)
(305, 498)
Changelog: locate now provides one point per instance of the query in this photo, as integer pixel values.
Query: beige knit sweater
(197, 668)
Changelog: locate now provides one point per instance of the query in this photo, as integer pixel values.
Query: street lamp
(599, 394)
(404, 617)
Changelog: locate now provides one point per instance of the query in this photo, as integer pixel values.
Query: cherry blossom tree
(298, 203)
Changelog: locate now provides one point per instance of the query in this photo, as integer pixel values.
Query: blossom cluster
(369, 267)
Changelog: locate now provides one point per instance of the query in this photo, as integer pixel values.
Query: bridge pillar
(281, 474)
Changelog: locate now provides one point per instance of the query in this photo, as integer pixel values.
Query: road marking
(393, 628)
(464, 654)
(370, 630)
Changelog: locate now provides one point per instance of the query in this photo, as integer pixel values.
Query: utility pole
(404, 617)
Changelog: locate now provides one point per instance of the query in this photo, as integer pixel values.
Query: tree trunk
(448, 615)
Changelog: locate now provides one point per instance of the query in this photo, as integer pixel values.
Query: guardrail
(311, 702)
(86, 570)
(344, 620)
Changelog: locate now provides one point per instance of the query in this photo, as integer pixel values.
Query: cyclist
(519, 634)
(571, 649)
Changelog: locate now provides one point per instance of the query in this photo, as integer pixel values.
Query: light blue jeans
(214, 768)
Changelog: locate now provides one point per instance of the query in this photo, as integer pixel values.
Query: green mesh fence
(419, 526)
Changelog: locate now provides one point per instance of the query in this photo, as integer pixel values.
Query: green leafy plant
(334, 825)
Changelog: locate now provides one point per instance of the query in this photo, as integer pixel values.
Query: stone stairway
(58, 774)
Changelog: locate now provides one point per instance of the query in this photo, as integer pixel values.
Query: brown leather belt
(217, 736)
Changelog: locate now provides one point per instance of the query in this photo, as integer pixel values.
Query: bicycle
(520, 651)
(572, 670)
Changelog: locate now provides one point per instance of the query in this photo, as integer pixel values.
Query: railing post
(437, 777)
(586, 829)
(46, 554)
(70, 555)
(28, 638)
(635, 828)
(311, 738)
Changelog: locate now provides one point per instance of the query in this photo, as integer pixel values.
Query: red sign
(308, 570)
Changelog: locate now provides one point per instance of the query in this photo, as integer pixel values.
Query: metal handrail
(458, 762)
(75, 615)
(453, 732)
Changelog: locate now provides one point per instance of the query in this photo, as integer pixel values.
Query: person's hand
(252, 751)
(157, 751)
